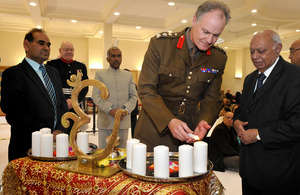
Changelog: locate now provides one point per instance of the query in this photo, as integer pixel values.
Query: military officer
(179, 85)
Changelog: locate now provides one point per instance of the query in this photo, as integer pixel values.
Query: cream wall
(90, 51)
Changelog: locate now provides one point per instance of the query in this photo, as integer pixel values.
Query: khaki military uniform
(171, 87)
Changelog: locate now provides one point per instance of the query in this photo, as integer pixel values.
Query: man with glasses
(295, 52)
(267, 121)
(32, 96)
(66, 67)
(223, 147)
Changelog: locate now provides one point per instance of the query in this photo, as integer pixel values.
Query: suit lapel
(184, 54)
(273, 77)
(36, 79)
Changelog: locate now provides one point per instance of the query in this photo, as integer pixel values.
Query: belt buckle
(181, 109)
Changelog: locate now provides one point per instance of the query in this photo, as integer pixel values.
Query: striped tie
(50, 90)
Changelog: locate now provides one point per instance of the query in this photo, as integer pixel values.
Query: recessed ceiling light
(184, 21)
(73, 21)
(116, 13)
(171, 3)
(225, 47)
(101, 32)
(254, 11)
(297, 30)
(32, 4)
(253, 24)
(138, 27)
(39, 27)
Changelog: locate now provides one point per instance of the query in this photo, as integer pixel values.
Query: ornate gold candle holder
(88, 164)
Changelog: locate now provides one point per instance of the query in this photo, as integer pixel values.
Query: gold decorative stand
(87, 164)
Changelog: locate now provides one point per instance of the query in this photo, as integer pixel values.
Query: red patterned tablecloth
(27, 176)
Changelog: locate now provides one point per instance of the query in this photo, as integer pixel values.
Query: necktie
(260, 78)
(193, 54)
(50, 90)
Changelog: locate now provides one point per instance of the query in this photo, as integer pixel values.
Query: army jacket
(169, 80)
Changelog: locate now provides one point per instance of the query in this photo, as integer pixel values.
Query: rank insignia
(209, 70)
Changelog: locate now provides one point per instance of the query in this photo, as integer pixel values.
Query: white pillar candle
(129, 144)
(47, 145)
(186, 167)
(62, 145)
(139, 158)
(36, 143)
(161, 161)
(45, 131)
(200, 157)
(83, 142)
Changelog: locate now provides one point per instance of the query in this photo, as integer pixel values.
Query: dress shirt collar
(33, 64)
(269, 70)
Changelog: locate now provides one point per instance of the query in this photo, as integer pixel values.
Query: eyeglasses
(293, 50)
(229, 117)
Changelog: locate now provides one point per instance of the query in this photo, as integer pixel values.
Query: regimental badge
(209, 70)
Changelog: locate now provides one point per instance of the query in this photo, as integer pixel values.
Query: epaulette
(219, 48)
(167, 34)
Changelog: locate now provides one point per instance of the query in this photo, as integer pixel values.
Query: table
(28, 176)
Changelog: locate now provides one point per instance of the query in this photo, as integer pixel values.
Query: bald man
(66, 67)
(295, 52)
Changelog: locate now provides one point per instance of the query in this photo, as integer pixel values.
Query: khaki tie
(193, 55)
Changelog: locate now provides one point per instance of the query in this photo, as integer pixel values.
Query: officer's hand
(202, 129)
(179, 129)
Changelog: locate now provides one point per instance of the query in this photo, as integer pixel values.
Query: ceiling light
(33, 4)
(253, 24)
(73, 21)
(101, 32)
(297, 30)
(138, 27)
(184, 21)
(116, 13)
(38, 27)
(254, 11)
(171, 3)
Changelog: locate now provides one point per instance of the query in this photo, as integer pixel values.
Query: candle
(36, 143)
(161, 161)
(46, 131)
(129, 144)
(195, 137)
(139, 158)
(200, 157)
(62, 145)
(83, 142)
(47, 145)
(186, 168)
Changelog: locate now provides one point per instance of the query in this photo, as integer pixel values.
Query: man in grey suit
(123, 95)
(268, 121)
(25, 99)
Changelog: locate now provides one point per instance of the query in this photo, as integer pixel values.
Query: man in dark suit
(268, 121)
(25, 100)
